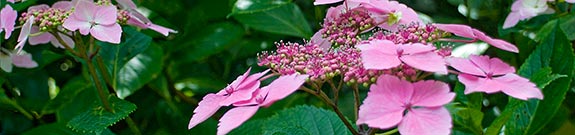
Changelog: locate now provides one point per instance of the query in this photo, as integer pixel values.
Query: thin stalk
(390, 132)
(101, 92)
(320, 94)
(356, 101)
(335, 91)
(20, 109)
(57, 36)
(104, 72)
(133, 126)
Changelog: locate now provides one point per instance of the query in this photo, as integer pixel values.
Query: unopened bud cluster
(412, 33)
(344, 29)
(46, 19)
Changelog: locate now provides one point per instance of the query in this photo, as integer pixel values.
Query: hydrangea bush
(370, 67)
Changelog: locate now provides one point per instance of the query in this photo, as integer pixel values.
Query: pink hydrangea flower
(99, 21)
(9, 59)
(7, 20)
(48, 37)
(468, 32)
(415, 108)
(139, 20)
(525, 9)
(264, 97)
(384, 54)
(490, 75)
(390, 14)
(241, 89)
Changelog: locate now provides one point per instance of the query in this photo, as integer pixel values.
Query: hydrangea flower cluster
(393, 61)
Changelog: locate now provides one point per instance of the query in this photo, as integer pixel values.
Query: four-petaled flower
(416, 108)
(490, 75)
(99, 21)
(384, 54)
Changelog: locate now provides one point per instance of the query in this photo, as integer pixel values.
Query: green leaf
(121, 64)
(212, 39)
(467, 119)
(58, 129)
(554, 51)
(66, 94)
(305, 120)
(96, 118)
(140, 70)
(286, 19)
(473, 100)
(252, 127)
(252, 6)
(566, 24)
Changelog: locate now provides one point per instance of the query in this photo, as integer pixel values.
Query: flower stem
(390, 132)
(101, 92)
(320, 94)
(133, 126)
(356, 101)
(20, 109)
(57, 36)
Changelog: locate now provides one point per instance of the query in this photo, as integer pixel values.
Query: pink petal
(416, 48)
(429, 61)
(322, 2)
(501, 44)
(38, 7)
(243, 88)
(235, 117)
(491, 65)
(160, 29)
(73, 24)
(106, 15)
(206, 108)
(68, 40)
(24, 32)
(383, 108)
(511, 20)
(431, 94)
(8, 20)
(40, 39)
(477, 84)
(426, 121)
(282, 87)
(519, 87)
(457, 29)
(84, 11)
(379, 54)
(112, 33)
(251, 80)
(126, 4)
(65, 5)
(321, 42)
(24, 61)
(465, 66)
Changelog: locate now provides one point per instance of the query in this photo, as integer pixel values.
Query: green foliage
(96, 118)
(279, 17)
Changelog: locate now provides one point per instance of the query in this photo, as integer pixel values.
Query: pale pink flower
(264, 97)
(24, 33)
(9, 59)
(468, 32)
(390, 14)
(48, 37)
(415, 108)
(139, 20)
(99, 21)
(241, 89)
(384, 54)
(525, 9)
(7, 20)
(490, 75)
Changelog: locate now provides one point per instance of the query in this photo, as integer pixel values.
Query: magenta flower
(241, 89)
(416, 108)
(525, 9)
(99, 21)
(139, 20)
(384, 54)
(490, 75)
(7, 20)
(264, 97)
(468, 32)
